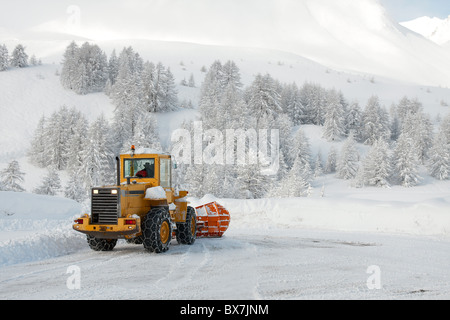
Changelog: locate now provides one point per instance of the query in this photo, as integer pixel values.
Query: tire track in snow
(184, 272)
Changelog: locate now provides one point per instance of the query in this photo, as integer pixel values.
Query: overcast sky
(117, 18)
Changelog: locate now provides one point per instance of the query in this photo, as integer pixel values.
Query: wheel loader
(143, 208)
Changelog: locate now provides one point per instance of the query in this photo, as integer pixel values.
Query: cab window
(165, 173)
(139, 168)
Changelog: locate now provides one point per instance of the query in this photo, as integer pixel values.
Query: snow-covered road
(247, 264)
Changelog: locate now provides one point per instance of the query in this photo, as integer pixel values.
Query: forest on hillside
(401, 140)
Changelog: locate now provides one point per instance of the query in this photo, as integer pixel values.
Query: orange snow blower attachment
(212, 220)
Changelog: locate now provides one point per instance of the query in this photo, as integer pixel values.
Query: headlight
(114, 191)
(95, 191)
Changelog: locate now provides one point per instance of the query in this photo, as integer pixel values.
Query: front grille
(105, 206)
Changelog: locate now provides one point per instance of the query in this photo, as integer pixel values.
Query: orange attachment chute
(212, 220)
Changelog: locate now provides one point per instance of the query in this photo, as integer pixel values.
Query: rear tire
(157, 230)
(187, 232)
(101, 244)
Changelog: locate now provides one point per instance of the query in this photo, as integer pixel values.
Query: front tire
(101, 244)
(187, 232)
(157, 230)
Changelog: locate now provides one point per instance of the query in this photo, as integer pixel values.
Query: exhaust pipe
(118, 170)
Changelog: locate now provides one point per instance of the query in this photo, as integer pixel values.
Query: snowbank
(27, 206)
(396, 210)
(35, 227)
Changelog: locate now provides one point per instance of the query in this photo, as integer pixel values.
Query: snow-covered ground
(320, 247)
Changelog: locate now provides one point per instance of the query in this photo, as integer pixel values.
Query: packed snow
(311, 248)
(155, 193)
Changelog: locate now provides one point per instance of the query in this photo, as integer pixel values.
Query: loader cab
(146, 167)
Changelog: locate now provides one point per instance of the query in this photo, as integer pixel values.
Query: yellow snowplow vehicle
(144, 208)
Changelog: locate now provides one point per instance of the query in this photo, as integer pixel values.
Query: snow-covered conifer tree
(191, 82)
(296, 183)
(37, 153)
(334, 127)
(264, 98)
(98, 160)
(418, 127)
(348, 163)
(318, 165)
(19, 58)
(168, 99)
(302, 151)
(331, 164)
(378, 165)
(113, 67)
(146, 133)
(354, 120)
(74, 189)
(405, 162)
(70, 66)
(439, 163)
(292, 104)
(4, 58)
(51, 183)
(12, 177)
(376, 122)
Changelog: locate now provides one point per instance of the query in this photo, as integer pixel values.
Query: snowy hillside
(435, 29)
(30, 93)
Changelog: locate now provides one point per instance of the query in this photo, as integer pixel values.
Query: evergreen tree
(37, 153)
(376, 122)
(113, 67)
(76, 141)
(98, 160)
(146, 133)
(377, 165)
(12, 177)
(251, 183)
(292, 104)
(331, 164)
(334, 127)
(74, 189)
(191, 82)
(264, 99)
(51, 183)
(296, 183)
(194, 179)
(348, 164)
(69, 66)
(57, 134)
(210, 95)
(19, 58)
(302, 152)
(418, 127)
(406, 162)
(85, 69)
(318, 165)
(313, 99)
(4, 58)
(354, 121)
(167, 92)
(440, 157)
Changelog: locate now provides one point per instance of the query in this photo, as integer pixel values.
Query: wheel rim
(164, 232)
(193, 225)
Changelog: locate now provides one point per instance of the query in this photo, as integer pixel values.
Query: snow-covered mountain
(355, 36)
(435, 29)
